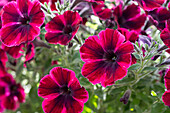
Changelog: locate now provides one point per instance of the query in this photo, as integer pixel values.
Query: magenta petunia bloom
(14, 93)
(62, 28)
(20, 22)
(106, 58)
(3, 60)
(126, 19)
(62, 92)
(166, 95)
(150, 4)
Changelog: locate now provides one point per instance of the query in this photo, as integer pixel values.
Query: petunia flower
(3, 60)
(150, 4)
(166, 95)
(62, 92)
(14, 93)
(20, 22)
(126, 19)
(62, 28)
(106, 58)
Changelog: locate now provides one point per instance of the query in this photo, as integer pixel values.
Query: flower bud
(126, 96)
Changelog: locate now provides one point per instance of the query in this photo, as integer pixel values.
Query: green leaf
(150, 68)
(136, 55)
(134, 66)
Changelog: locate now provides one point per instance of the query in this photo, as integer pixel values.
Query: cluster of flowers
(107, 56)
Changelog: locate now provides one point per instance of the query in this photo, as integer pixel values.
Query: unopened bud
(126, 96)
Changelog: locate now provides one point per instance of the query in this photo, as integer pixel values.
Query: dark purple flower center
(110, 56)
(13, 89)
(68, 30)
(25, 20)
(65, 90)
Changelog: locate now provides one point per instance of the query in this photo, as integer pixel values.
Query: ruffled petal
(55, 105)
(165, 36)
(36, 14)
(11, 13)
(91, 50)
(127, 13)
(125, 48)
(111, 39)
(80, 95)
(166, 98)
(62, 76)
(48, 88)
(94, 71)
(167, 80)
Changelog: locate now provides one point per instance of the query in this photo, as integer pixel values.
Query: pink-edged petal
(94, 71)
(118, 73)
(152, 4)
(167, 80)
(30, 53)
(91, 49)
(135, 23)
(62, 76)
(97, 1)
(127, 13)
(165, 36)
(125, 48)
(74, 84)
(23, 6)
(80, 95)
(10, 14)
(48, 88)
(101, 11)
(56, 24)
(57, 38)
(42, 1)
(36, 14)
(163, 14)
(72, 18)
(73, 106)
(134, 60)
(3, 57)
(10, 102)
(15, 34)
(166, 98)
(111, 39)
(15, 51)
(133, 36)
(21, 94)
(124, 60)
(55, 105)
